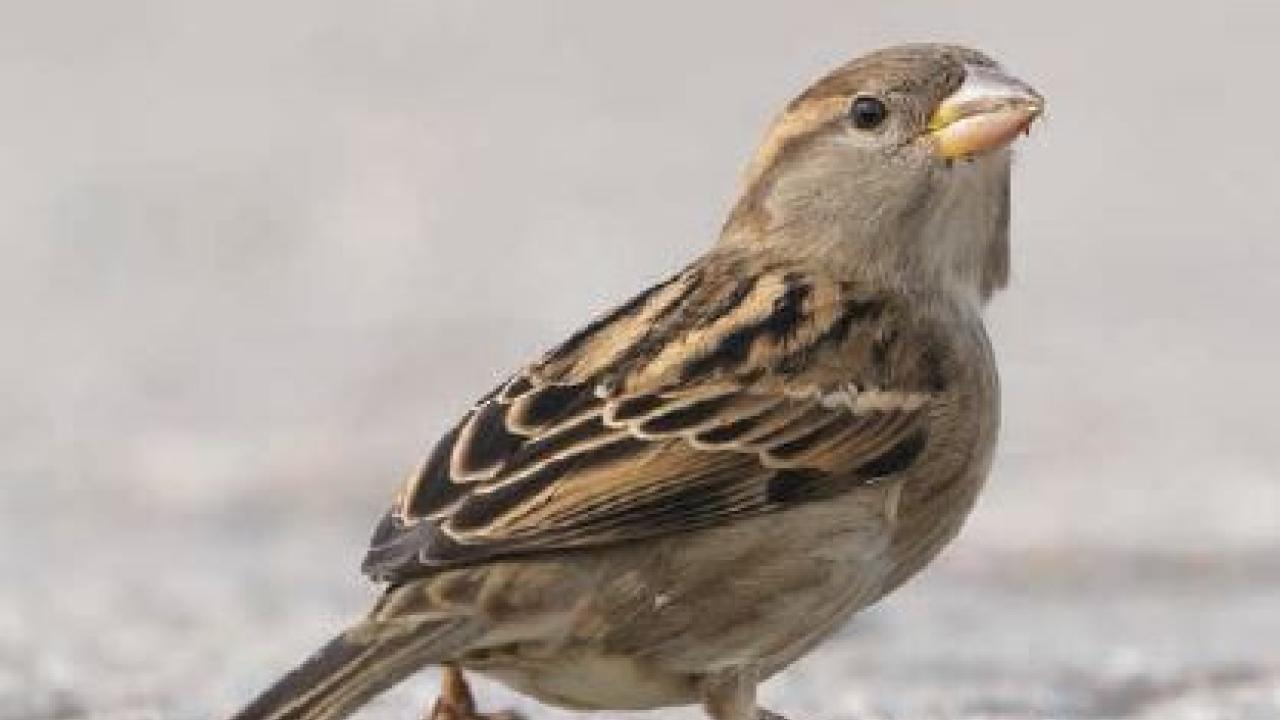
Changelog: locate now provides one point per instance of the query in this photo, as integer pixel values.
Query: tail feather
(350, 670)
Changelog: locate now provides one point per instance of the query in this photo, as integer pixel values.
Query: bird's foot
(443, 711)
(457, 703)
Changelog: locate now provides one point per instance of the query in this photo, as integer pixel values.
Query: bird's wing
(729, 390)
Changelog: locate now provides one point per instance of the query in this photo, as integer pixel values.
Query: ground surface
(175, 623)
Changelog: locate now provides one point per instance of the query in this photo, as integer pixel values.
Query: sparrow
(697, 487)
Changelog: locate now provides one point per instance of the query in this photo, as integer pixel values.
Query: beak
(986, 113)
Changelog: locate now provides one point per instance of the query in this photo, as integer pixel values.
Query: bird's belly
(585, 679)
(759, 593)
(805, 578)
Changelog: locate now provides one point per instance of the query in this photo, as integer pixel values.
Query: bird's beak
(985, 113)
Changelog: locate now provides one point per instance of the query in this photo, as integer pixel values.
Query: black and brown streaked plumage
(692, 491)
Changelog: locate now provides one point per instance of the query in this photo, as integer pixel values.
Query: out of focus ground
(177, 623)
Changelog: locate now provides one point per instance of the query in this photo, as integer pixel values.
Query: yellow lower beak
(987, 112)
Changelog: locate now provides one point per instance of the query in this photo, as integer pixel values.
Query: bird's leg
(456, 701)
(731, 695)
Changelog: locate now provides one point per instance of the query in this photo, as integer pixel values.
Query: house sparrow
(696, 488)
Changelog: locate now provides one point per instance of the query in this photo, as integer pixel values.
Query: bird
(701, 484)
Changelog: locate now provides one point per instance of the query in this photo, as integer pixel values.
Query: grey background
(256, 255)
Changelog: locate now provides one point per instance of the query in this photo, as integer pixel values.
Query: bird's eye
(867, 113)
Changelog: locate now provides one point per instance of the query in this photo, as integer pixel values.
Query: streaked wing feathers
(719, 393)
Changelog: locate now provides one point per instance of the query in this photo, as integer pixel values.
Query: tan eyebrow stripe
(806, 117)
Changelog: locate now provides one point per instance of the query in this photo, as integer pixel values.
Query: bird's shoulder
(741, 385)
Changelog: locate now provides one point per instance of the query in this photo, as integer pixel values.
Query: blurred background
(257, 255)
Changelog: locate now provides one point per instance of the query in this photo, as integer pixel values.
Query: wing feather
(726, 391)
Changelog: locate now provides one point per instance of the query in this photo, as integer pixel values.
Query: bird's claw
(457, 703)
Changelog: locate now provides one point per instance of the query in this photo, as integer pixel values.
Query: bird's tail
(351, 669)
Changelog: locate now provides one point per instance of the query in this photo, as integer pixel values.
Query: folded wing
(726, 391)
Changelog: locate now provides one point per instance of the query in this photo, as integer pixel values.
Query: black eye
(867, 112)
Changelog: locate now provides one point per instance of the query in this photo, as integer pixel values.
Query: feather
(740, 386)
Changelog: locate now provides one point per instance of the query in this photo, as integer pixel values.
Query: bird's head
(894, 168)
